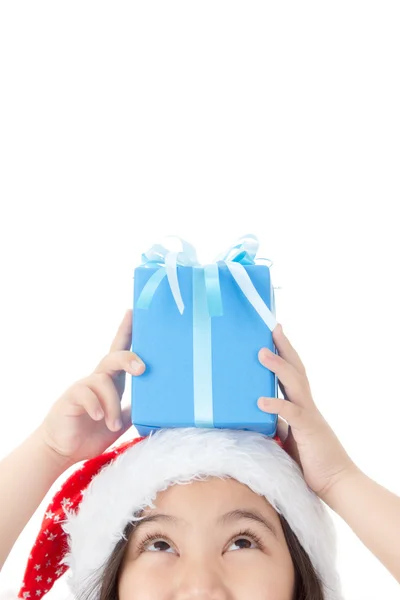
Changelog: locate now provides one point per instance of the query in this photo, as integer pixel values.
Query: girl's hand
(82, 423)
(310, 441)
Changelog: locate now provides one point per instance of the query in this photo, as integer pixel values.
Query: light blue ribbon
(207, 303)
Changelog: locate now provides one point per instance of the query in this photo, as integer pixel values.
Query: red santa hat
(88, 515)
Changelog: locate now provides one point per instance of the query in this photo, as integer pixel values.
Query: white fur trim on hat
(169, 456)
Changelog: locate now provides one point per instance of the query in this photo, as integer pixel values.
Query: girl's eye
(159, 542)
(246, 546)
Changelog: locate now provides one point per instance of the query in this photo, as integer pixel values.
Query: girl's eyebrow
(233, 515)
(253, 514)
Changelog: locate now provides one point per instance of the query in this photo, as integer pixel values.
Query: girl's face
(200, 549)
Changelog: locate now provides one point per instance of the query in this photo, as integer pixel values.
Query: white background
(124, 122)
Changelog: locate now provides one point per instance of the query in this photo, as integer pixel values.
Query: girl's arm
(372, 512)
(80, 425)
(26, 475)
(72, 431)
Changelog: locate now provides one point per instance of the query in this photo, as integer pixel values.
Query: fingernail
(136, 367)
(117, 424)
(266, 353)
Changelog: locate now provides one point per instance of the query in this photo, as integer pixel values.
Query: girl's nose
(199, 578)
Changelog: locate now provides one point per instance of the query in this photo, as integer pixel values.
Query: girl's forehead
(212, 496)
(212, 487)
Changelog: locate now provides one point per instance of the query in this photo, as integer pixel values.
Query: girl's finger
(123, 337)
(122, 360)
(126, 421)
(286, 350)
(296, 385)
(104, 388)
(292, 413)
(90, 402)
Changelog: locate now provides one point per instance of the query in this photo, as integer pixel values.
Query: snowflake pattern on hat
(43, 567)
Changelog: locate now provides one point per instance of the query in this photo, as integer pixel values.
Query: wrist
(57, 461)
(333, 494)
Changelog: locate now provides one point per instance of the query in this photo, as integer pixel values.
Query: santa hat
(87, 517)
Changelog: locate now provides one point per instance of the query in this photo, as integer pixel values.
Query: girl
(251, 524)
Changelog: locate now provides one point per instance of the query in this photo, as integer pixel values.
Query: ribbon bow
(235, 257)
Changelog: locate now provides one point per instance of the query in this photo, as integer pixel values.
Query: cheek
(142, 581)
(261, 577)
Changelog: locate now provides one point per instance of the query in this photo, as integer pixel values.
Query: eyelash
(160, 537)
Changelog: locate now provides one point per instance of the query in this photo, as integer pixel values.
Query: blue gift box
(202, 367)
